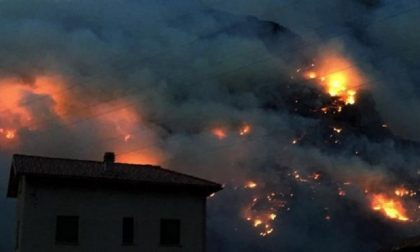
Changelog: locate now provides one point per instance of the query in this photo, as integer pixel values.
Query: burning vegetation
(338, 77)
(389, 207)
(334, 76)
(17, 104)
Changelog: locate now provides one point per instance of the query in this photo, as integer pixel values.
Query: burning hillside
(306, 111)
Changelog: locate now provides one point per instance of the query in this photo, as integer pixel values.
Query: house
(78, 205)
(407, 245)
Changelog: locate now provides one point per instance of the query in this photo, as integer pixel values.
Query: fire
(219, 133)
(257, 222)
(8, 133)
(250, 184)
(391, 208)
(130, 130)
(338, 76)
(123, 122)
(147, 156)
(262, 210)
(401, 192)
(262, 223)
(127, 137)
(341, 192)
(19, 97)
(311, 75)
(245, 130)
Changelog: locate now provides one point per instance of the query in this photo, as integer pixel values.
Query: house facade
(76, 205)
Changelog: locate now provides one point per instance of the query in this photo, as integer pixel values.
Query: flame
(18, 97)
(262, 211)
(338, 77)
(148, 156)
(8, 133)
(273, 216)
(123, 121)
(245, 130)
(250, 184)
(401, 192)
(391, 208)
(127, 124)
(127, 137)
(219, 133)
(262, 222)
(311, 75)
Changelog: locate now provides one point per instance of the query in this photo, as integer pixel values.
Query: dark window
(170, 232)
(67, 229)
(128, 230)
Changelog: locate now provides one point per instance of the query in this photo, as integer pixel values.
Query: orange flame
(250, 184)
(219, 133)
(245, 130)
(149, 156)
(338, 77)
(391, 208)
(401, 192)
(17, 108)
(123, 121)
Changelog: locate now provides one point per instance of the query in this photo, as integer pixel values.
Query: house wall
(100, 214)
(20, 201)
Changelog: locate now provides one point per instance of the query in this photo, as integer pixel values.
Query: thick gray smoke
(188, 67)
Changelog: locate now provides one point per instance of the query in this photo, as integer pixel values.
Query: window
(128, 230)
(170, 232)
(67, 230)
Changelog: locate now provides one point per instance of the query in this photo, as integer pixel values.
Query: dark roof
(107, 172)
(407, 245)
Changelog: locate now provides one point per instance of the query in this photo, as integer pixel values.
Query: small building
(407, 245)
(78, 205)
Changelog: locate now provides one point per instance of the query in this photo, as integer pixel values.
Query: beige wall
(100, 218)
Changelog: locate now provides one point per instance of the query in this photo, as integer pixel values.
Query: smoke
(153, 80)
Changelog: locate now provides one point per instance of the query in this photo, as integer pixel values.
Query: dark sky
(221, 90)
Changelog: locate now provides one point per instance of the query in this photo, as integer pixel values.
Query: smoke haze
(213, 89)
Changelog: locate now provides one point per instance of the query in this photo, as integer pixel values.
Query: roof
(35, 166)
(410, 244)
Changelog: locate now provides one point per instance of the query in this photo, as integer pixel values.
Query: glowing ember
(341, 192)
(261, 212)
(273, 216)
(262, 222)
(311, 75)
(250, 184)
(391, 208)
(337, 130)
(219, 133)
(245, 130)
(257, 222)
(127, 137)
(316, 176)
(8, 133)
(401, 192)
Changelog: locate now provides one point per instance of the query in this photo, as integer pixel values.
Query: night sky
(308, 112)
